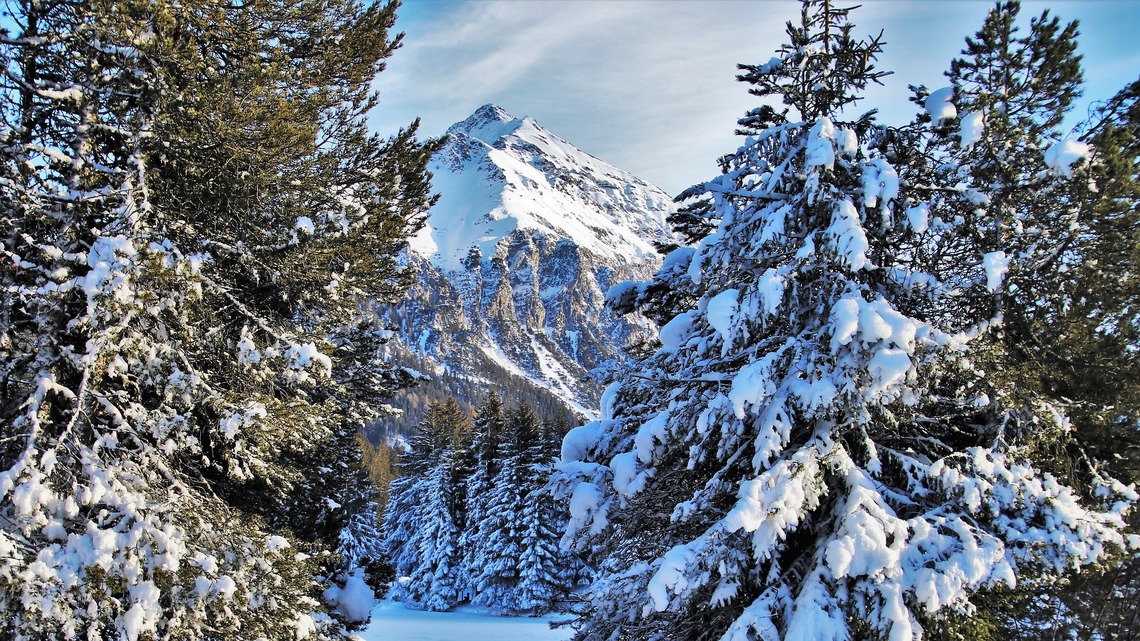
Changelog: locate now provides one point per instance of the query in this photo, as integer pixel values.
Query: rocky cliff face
(516, 258)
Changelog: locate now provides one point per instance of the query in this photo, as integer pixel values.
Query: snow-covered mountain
(516, 257)
(499, 174)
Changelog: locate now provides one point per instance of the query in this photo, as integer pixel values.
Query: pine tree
(1105, 340)
(421, 531)
(302, 208)
(1101, 307)
(993, 187)
(434, 581)
(546, 573)
(1050, 226)
(500, 544)
(510, 524)
(806, 456)
(479, 486)
(401, 523)
(192, 208)
(361, 541)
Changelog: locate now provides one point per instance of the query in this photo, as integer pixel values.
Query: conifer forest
(264, 366)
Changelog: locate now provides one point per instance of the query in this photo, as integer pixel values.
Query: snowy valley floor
(391, 621)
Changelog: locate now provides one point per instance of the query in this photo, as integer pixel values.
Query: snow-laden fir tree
(1053, 219)
(809, 454)
(1108, 383)
(433, 584)
(478, 487)
(401, 519)
(511, 523)
(191, 210)
(500, 544)
(422, 528)
(546, 572)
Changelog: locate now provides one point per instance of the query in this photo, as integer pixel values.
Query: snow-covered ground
(391, 621)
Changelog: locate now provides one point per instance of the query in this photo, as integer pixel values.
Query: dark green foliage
(1098, 329)
(1068, 306)
(1096, 363)
(193, 215)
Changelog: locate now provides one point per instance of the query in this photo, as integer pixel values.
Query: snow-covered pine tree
(1043, 230)
(302, 208)
(401, 519)
(511, 558)
(799, 460)
(181, 180)
(434, 583)
(1108, 383)
(479, 486)
(421, 532)
(500, 542)
(360, 540)
(72, 135)
(546, 572)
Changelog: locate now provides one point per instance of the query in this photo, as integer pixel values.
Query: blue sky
(649, 85)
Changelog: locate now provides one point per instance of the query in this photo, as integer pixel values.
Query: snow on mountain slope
(498, 173)
(517, 255)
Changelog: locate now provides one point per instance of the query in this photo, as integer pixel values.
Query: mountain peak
(491, 111)
(500, 174)
(488, 123)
